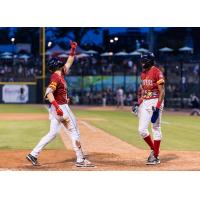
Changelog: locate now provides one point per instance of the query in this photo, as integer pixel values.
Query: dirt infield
(105, 151)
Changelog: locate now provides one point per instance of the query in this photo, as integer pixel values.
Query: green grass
(27, 133)
(21, 108)
(179, 133)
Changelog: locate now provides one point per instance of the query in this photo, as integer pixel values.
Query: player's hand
(135, 109)
(155, 115)
(73, 48)
(59, 111)
(73, 45)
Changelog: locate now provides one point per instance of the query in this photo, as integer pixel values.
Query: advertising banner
(15, 93)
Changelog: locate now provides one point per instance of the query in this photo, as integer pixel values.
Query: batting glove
(135, 109)
(58, 109)
(155, 115)
(73, 48)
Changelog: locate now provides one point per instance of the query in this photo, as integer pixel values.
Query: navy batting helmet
(147, 59)
(54, 64)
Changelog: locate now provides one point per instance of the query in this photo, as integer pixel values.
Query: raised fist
(73, 45)
(73, 48)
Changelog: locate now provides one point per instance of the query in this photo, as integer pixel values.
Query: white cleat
(84, 163)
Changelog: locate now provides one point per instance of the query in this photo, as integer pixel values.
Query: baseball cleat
(152, 160)
(33, 160)
(84, 163)
(151, 155)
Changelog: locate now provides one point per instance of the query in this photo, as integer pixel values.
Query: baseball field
(109, 138)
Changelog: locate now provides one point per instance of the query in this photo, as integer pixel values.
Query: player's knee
(157, 135)
(143, 132)
(52, 134)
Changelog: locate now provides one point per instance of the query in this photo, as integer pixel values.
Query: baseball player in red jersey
(150, 105)
(60, 113)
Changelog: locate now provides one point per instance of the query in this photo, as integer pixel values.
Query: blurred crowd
(19, 70)
(97, 65)
(182, 78)
(118, 97)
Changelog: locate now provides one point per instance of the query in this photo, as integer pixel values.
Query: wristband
(140, 100)
(72, 51)
(55, 104)
(158, 105)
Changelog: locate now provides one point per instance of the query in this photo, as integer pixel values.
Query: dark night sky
(91, 37)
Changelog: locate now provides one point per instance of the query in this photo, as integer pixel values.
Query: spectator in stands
(120, 97)
(194, 100)
(129, 99)
(104, 98)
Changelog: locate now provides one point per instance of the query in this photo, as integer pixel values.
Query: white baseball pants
(145, 113)
(55, 126)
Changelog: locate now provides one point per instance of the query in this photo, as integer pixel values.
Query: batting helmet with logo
(54, 64)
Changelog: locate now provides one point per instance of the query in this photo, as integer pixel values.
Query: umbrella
(63, 55)
(121, 53)
(166, 49)
(107, 54)
(55, 49)
(186, 49)
(135, 53)
(25, 57)
(91, 52)
(82, 55)
(142, 50)
(6, 57)
(6, 54)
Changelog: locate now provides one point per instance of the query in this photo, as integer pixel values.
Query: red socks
(149, 141)
(156, 147)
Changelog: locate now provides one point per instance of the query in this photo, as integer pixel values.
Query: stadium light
(12, 40)
(116, 38)
(49, 44)
(111, 40)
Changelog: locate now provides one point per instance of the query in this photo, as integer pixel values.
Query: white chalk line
(92, 128)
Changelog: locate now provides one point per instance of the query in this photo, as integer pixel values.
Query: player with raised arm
(60, 113)
(150, 105)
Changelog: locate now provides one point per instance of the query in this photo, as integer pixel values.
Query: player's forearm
(161, 95)
(52, 100)
(69, 63)
(50, 97)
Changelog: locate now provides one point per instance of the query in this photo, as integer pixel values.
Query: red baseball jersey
(150, 80)
(58, 84)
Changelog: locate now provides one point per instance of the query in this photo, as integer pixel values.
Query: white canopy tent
(135, 53)
(91, 52)
(6, 53)
(121, 53)
(82, 55)
(107, 54)
(24, 56)
(6, 57)
(63, 55)
(142, 50)
(186, 49)
(166, 49)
